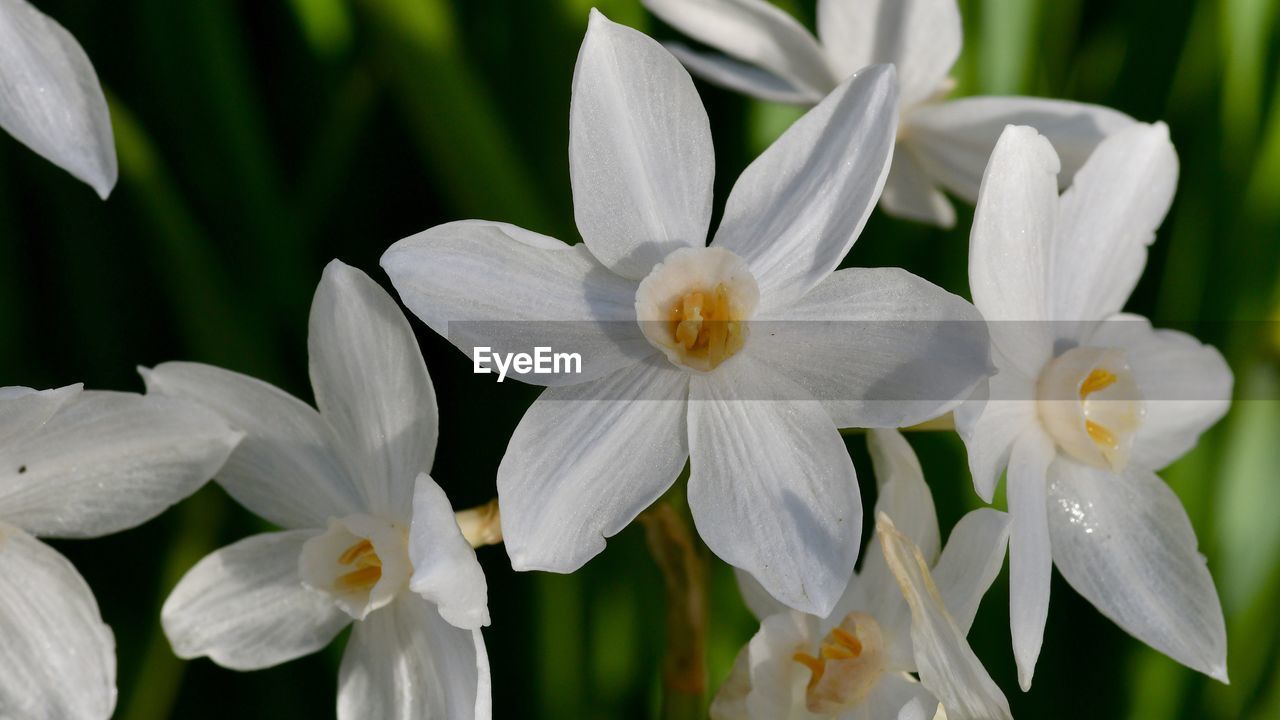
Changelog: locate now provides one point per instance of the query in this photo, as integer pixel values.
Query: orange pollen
(705, 324)
(1100, 435)
(839, 644)
(364, 578)
(1099, 379)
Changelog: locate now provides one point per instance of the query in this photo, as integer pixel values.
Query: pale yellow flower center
(847, 666)
(707, 327)
(1089, 403)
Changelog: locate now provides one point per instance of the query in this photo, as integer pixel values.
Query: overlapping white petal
(796, 210)
(1107, 219)
(50, 98)
(1185, 385)
(445, 570)
(586, 459)
(771, 487)
(922, 38)
(954, 139)
(58, 657)
(1125, 543)
(285, 468)
(24, 410)
(970, 562)
(755, 32)
(910, 193)
(879, 347)
(490, 284)
(406, 661)
(947, 665)
(108, 461)
(1030, 555)
(372, 387)
(245, 608)
(1010, 246)
(640, 155)
(741, 77)
(991, 420)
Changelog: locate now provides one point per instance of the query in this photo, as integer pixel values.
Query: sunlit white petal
(445, 570)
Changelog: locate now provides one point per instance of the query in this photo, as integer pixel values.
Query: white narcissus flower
(907, 611)
(1089, 403)
(50, 98)
(81, 464)
(743, 357)
(941, 144)
(369, 536)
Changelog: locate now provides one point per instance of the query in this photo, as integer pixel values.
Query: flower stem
(684, 672)
(481, 525)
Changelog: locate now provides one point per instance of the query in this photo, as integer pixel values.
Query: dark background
(258, 140)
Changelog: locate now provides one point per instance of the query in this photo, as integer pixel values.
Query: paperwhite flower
(1083, 411)
(743, 357)
(50, 99)
(369, 535)
(76, 464)
(941, 145)
(854, 664)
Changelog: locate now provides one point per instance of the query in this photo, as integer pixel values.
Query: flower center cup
(847, 667)
(1089, 402)
(360, 561)
(694, 306)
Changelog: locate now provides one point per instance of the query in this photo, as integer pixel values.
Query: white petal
(795, 211)
(640, 154)
(23, 410)
(904, 496)
(585, 460)
(244, 607)
(771, 486)
(57, 661)
(879, 347)
(1109, 216)
(895, 697)
(405, 661)
(1030, 558)
(777, 680)
(50, 98)
(1125, 543)
(948, 667)
(991, 420)
(730, 701)
(755, 597)
(1009, 246)
(921, 37)
(1185, 386)
(755, 32)
(109, 461)
(970, 562)
(954, 139)
(487, 284)
(286, 469)
(740, 76)
(910, 193)
(372, 387)
(445, 570)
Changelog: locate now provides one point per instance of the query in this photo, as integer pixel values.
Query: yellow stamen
(707, 325)
(816, 666)
(1099, 379)
(847, 639)
(360, 549)
(1100, 435)
(362, 579)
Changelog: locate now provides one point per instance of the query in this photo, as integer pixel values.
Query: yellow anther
(1099, 379)
(816, 666)
(1100, 435)
(360, 549)
(706, 325)
(847, 639)
(364, 578)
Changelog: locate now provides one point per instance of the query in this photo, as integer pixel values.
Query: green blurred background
(258, 140)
